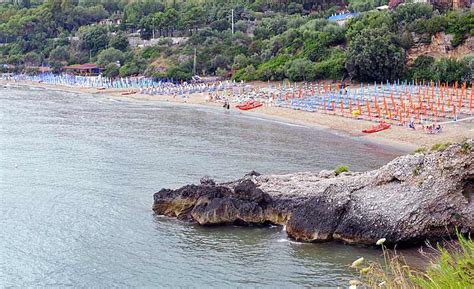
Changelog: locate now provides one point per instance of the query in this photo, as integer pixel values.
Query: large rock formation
(411, 199)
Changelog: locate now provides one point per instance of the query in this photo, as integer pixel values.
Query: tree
(32, 58)
(111, 70)
(365, 5)
(240, 61)
(220, 25)
(422, 68)
(60, 54)
(109, 55)
(374, 54)
(58, 57)
(93, 38)
(120, 42)
(451, 70)
(299, 70)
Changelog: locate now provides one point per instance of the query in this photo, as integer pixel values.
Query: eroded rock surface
(411, 199)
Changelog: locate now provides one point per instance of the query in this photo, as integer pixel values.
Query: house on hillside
(83, 69)
(115, 21)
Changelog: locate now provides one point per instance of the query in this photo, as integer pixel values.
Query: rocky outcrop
(411, 199)
(439, 47)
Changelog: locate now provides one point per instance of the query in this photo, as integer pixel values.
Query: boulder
(409, 200)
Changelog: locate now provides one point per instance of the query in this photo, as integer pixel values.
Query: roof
(85, 66)
(342, 16)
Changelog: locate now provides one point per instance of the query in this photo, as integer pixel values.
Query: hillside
(250, 40)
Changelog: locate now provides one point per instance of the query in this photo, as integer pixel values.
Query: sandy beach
(399, 137)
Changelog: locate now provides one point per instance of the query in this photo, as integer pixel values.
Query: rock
(207, 181)
(326, 174)
(409, 200)
(253, 174)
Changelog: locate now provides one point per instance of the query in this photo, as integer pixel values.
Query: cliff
(411, 199)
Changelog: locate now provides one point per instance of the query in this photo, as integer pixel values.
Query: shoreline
(400, 138)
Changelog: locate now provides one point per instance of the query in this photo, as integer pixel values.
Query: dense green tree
(120, 42)
(32, 58)
(422, 68)
(451, 70)
(109, 55)
(111, 70)
(94, 38)
(299, 70)
(365, 5)
(375, 55)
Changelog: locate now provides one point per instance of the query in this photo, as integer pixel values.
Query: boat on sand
(376, 128)
(251, 104)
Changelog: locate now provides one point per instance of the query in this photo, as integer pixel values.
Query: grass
(453, 267)
(421, 150)
(416, 171)
(439, 147)
(465, 147)
(341, 169)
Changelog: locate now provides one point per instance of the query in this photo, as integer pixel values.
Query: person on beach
(412, 124)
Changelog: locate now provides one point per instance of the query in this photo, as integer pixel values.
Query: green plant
(440, 146)
(416, 171)
(454, 269)
(465, 147)
(451, 267)
(421, 150)
(341, 169)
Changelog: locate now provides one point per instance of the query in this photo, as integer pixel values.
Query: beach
(402, 138)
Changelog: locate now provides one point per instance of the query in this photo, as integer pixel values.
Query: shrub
(332, 67)
(273, 69)
(111, 70)
(341, 169)
(422, 68)
(298, 69)
(451, 70)
(421, 150)
(455, 268)
(465, 147)
(440, 146)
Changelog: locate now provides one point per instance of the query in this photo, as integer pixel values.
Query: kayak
(376, 128)
(251, 104)
(128, 92)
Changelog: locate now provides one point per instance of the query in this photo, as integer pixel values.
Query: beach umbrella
(385, 105)
(368, 108)
(470, 100)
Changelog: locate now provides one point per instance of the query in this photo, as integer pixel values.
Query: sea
(77, 176)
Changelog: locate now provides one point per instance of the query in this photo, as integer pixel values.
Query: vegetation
(341, 169)
(272, 40)
(440, 146)
(421, 150)
(453, 267)
(465, 147)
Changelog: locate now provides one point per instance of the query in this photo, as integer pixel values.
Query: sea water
(77, 177)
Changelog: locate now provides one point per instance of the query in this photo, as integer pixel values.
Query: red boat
(129, 92)
(251, 104)
(381, 126)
